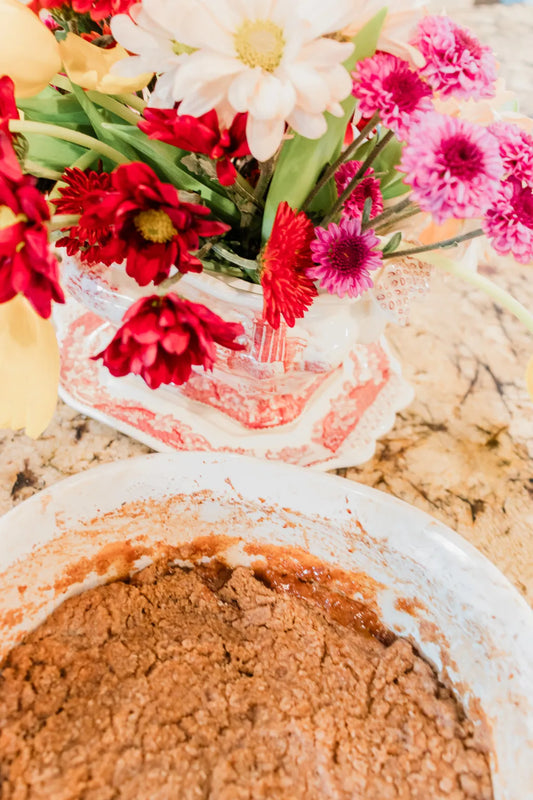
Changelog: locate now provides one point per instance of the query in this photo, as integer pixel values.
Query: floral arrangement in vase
(298, 146)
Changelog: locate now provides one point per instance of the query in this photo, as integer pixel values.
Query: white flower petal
(312, 90)
(264, 137)
(308, 80)
(328, 19)
(339, 82)
(273, 98)
(312, 126)
(163, 94)
(207, 97)
(226, 14)
(243, 88)
(132, 36)
(326, 52)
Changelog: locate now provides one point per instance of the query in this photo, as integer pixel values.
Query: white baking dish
(426, 582)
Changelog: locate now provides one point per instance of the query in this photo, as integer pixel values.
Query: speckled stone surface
(463, 450)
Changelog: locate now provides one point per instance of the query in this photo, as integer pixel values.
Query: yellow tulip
(89, 66)
(529, 377)
(29, 368)
(29, 53)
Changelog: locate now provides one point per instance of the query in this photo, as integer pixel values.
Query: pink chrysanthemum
(509, 221)
(516, 150)
(453, 166)
(387, 84)
(369, 187)
(344, 257)
(456, 62)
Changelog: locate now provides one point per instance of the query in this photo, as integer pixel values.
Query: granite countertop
(461, 451)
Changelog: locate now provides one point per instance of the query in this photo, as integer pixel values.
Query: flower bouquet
(300, 147)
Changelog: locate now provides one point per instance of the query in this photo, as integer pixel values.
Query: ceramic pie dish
(425, 582)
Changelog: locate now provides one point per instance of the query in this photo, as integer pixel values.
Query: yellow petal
(529, 377)
(89, 66)
(29, 53)
(29, 368)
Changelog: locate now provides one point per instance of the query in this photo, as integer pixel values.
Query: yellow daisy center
(260, 43)
(155, 225)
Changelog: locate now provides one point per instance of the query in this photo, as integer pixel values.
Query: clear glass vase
(271, 382)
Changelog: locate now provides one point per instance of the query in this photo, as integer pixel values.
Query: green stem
(131, 100)
(413, 251)
(162, 287)
(346, 155)
(251, 268)
(267, 168)
(114, 106)
(59, 221)
(40, 172)
(499, 295)
(357, 178)
(410, 212)
(61, 82)
(68, 135)
(243, 187)
(387, 213)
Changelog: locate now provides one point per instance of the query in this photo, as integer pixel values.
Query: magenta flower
(368, 187)
(516, 150)
(509, 221)
(456, 62)
(344, 257)
(387, 84)
(453, 166)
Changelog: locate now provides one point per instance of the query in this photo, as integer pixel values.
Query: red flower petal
(162, 338)
(27, 265)
(113, 226)
(288, 291)
(200, 135)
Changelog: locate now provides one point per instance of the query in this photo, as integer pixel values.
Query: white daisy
(149, 30)
(268, 58)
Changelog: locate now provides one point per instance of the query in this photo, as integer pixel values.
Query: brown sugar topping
(207, 683)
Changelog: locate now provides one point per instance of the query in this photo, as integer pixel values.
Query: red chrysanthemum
(287, 290)
(26, 264)
(162, 338)
(152, 229)
(200, 135)
(387, 84)
(96, 244)
(9, 165)
(509, 221)
(369, 187)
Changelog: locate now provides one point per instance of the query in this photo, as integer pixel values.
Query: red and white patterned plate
(338, 427)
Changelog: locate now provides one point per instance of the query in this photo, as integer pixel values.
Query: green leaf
(393, 243)
(52, 153)
(302, 160)
(100, 119)
(50, 106)
(161, 157)
(395, 187)
(367, 208)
